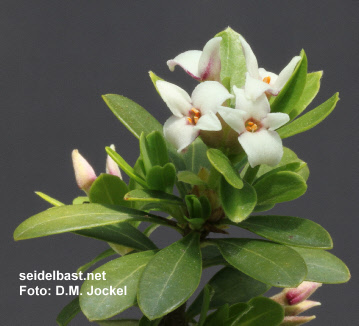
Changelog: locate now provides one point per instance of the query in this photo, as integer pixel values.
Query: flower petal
(209, 66)
(177, 99)
(209, 122)
(179, 133)
(262, 147)
(286, 73)
(264, 73)
(189, 61)
(209, 95)
(275, 120)
(257, 109)
(255, 87)
(234, 118)
(251, 60)
(111, 165)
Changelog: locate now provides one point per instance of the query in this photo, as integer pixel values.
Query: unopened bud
(300, 307)
(302, 292)
(84, 173)
(111, 166)
(296, 320)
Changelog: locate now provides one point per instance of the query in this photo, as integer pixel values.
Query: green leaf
(162, 178)
(323, 267)
(101, 256)
(263, 311)
(310, 119)
(68, 312)
(195, 157)
(171, 277)
(311, 89)
(230, 286)
(211, 256)
(223, 165)
(217, 317)
(265, 261)
(236, 312)
(293, 89)
(133, 116)
(81, 200)
(123, 234)
(49, 199)
(208, 293)
(233, 63)
(190, 178)
(118, 322)
(279, 187)
(125, 167)
(154, 79)
(78, 217)
(289, 230)
(109, 189)
(146, 322)
(121, 273)
(238, 204)
(153, 196)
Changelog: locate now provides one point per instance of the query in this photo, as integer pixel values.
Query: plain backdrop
(58, 58)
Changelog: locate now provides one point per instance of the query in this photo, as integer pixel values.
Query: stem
(251, 173)
(175, 318)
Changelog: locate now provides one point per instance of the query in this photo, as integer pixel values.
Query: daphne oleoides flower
(191, 114)
(258, 80)
(256, 126)
(201, 65)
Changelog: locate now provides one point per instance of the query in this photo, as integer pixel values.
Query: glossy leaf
(78, 217)
(119, 273)
(101, 256)
(263, 311)
(233, 63)
(153, 196)
(217, 317)
(265, 261)
(211, 256)
(238, 204)
(236, 312)
(190, 178)
(108, 189)
(123, 234)
(68, 312)
(49, 199)
(311, 89)
(162, 178)
(171, 277)
(133, 116)
(289, 230)
(125, 167)
(118, 322)
(323, 267)
(293, 89)
(279, 187)
(230, 286)
(146, 322)
(310, 119)
(208, 293)
(223, 165)
(195, 157)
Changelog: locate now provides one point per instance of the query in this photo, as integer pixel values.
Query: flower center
(193, 116)
(252, 125)
(266, 79)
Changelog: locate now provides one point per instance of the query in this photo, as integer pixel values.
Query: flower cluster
(250, 118)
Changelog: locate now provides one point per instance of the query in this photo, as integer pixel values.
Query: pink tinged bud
(300, 307)
(111, 166)
(84, 173)
(296, 320)
(302, 292)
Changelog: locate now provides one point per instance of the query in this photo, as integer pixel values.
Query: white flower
(84, 173)
(191, 114)
(111, 165)
(201, 65)
(258, 80)
(255, 126)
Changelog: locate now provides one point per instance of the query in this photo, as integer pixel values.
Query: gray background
(58, 57)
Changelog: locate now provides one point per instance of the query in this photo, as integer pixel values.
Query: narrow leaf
(49, 199)
(153, 196)
(310, 119)
(68, 312)
(190, 178)
(171, 277)
(208, 293)
(101, 256)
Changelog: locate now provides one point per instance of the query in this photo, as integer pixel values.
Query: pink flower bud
(111, 166)
(84, 173)
(296, 320)
(301, 293)
(300, 307)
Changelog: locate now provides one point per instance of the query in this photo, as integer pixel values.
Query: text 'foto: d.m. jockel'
(216, 162)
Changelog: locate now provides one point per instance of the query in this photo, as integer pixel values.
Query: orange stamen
(189, 120)
(195, 120)
(266, 79)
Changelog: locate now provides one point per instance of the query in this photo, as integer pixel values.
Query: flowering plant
(216, 162)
